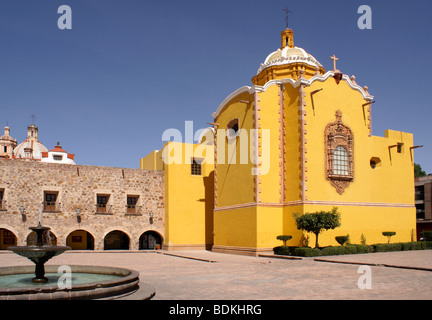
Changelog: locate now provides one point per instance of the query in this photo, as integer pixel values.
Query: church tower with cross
(297, 140)
(315, 151)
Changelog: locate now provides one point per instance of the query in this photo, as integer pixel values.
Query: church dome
(287, 62)
(35, 148)
(31, 148)
(289, 55)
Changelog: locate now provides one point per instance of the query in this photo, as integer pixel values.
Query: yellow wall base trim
(178, 247)
(246, 251)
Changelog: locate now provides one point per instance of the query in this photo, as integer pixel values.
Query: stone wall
(24, 183)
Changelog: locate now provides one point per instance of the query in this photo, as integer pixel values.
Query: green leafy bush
(388, 234)
(284, 238)
(411, 246)
(362, 248)
(341, 239)
(332, 251)
(306, 252)
(317, 222)
(363, 239)
(282, 250)
(386, 247)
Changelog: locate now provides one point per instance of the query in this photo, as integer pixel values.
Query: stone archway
(80, 240)
(7, 239)
(49, 238)
(149, 240)
(116, 240)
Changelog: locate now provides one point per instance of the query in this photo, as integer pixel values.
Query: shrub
(306, 252)
(282, 250)
(388, 234)
(284, 238)
(413, 246)
(341, 239)
(426, 235)
(361, 248)
(386, 247)
(332, 251)
(363, 239)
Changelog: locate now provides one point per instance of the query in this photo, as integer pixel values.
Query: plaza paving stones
(205, 275)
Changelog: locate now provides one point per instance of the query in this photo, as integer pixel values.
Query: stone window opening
(399, 147)
(50, 203)
(102, 203)
(375, 162)
(196, 169)
(233, 128)
(132, 205)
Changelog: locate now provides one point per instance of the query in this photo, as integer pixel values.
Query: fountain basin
(120, 283)
(39, 255)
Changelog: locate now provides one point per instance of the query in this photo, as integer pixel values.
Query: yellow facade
(188, 197)
(299, 140)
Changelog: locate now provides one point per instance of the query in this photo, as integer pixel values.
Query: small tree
(418, 171)
(363, 239)
(284, 238)
(317, 222)
(388, 234)
(342, 239)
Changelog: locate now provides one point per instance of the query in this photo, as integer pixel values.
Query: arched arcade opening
(7, 239)
(80, 240)
(116, 240)
(150, 240)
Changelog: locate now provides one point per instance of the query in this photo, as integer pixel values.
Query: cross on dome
(286, 15)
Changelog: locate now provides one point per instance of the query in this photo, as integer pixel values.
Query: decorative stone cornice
(295, 83)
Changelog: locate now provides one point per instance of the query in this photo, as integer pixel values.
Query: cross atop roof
(334, 62)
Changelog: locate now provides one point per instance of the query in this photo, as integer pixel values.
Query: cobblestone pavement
(181, 275)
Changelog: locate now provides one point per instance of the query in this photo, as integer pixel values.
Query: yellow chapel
(298, 140)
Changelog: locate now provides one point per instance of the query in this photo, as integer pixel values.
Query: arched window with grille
(339, 152)
(340, 163)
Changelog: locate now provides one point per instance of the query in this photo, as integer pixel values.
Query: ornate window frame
(337, 134)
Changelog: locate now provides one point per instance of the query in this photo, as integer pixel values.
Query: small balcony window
(131, 206)
(102, 205)
(50, 201)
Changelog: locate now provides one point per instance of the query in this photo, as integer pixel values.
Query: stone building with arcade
(86, 207)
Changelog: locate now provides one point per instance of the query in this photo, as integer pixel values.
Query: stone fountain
(88, 282)
(40, 253)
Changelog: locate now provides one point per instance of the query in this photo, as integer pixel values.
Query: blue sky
(129, 69)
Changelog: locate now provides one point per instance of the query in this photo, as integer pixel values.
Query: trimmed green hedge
(306, 252)
(282, 250)
(353, 249)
